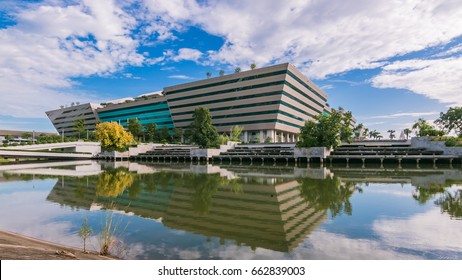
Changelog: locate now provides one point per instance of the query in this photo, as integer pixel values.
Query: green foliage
(135, 128)
(113, 137)
(425, 129)
(150, 130)
(177, 134)
(328, 194)
(346, 132)
(268, 140)
(451, 120)
(237, 70)
(253, 66)
(392, 133)
(79, 126)
(209, 74)
(407, 131)
(326, 130)
(164, 135)
(357, 130)
(26, 135)
(236, 132)
(85, 232)
(452, 141)
(451, 203)
(223, 139)
(203, 133)
(222, 72)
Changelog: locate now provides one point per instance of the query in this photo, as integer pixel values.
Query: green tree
(85, 232)
(177, 134)
(425, 129)
(451, 120)
(113, 136)
(165, 135)
(222, 72)
(150, 130)
(358, 130)
(407, 131)
(365, 132)
(79, 126)
(203, 133)
(26, 135)
(135, 128)
(325, 131)
(392, 133)
(237, 70)
(346, 132)
(236, 132)
(209, 74)
(253, 66)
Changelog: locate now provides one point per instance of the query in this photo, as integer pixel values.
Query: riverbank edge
(14, 246)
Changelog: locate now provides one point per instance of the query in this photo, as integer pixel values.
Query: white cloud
(403, 115)
(181, 77)
(439, 79)
(50, 45)
(426, 232)
(187, 54)
(320, 39)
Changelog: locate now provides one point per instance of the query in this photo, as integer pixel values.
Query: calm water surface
(177, 211)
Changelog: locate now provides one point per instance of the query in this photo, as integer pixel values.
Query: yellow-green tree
(113, 183)
(113, 136)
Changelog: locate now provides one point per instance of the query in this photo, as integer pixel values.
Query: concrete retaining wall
(313, 152)
(424, 142)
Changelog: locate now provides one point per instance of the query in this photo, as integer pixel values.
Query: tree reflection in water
(451, 203)
(328, 194)
(113, 182)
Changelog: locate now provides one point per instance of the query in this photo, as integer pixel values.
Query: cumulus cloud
(50, 45)
(439, 79)
(320, 39)
(187, 54)
(423, 232)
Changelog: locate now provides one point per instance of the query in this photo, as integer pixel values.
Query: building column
(245, 136)
(262, 137)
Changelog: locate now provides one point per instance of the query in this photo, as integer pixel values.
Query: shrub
(268, 140)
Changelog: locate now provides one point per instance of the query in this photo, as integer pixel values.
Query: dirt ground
(18, 247)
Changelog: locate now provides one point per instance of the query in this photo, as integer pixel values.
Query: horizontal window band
(228, 82)
(251, 114)
(306, 85)
(213, 93)
(253, 122)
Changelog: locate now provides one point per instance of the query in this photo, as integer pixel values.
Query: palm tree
(372, 133)
(375, 134)
(407, 131)
(222, 72)
(253, 66)
(237, 70)
(392, 133)
(365, 132)
(209, 74)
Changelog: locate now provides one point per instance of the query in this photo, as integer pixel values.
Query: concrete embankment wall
(424, 142)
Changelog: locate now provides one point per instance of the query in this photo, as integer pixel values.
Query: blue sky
(388, 62)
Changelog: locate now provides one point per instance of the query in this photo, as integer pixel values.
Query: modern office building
(64, 118)
(147, 108)
(270, 103)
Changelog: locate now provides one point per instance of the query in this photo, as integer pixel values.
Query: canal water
(184, 211)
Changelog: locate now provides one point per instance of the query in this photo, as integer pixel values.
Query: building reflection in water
(269, 207)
